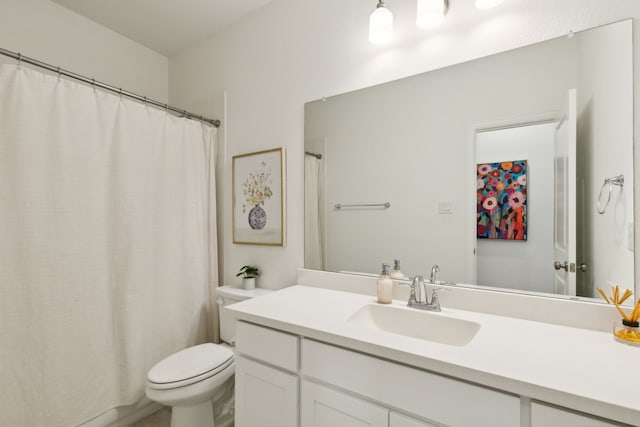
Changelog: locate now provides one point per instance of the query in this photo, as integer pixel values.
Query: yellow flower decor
(632, 333)
(256, 189)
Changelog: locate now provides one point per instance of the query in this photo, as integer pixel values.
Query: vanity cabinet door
(325, 407)
(425, 394)
(265, 396)
(267, 345)
(400, 420)
(549, 416)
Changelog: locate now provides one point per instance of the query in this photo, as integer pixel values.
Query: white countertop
(577, 368)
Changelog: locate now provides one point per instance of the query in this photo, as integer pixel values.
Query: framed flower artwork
(259, 198)
(501, 205)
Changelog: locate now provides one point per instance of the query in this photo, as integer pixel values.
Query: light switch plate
(445, 207)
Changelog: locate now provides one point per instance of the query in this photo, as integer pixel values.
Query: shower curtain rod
(93, 82)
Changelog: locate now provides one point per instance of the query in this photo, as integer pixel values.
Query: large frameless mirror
(512, 171)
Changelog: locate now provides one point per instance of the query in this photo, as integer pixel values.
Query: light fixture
(381, 25)
(487, 4)
(431, 12)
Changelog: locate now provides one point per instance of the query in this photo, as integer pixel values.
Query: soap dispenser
(385, 286)
(396, 274)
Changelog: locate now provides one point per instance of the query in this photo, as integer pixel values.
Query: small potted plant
(249, 274)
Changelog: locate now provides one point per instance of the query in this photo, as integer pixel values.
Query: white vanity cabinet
(401, 420)
(266, 379)
(284, 380)
(265, 396)
(322, 406)
(543, 415)
(426, 395)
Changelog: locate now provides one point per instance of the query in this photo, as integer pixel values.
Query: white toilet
(193, 379)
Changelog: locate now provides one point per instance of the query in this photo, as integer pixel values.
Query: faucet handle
(435, 303)
(415, 283)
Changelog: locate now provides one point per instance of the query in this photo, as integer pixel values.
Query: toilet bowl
(188, 380)
(193, 379)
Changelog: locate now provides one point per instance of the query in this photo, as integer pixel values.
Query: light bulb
(431, 12)
(381, 25)
(487, 4)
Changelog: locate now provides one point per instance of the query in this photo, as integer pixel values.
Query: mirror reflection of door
(564, 236)
(502, 262)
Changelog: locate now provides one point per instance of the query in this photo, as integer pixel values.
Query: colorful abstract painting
(502, 200)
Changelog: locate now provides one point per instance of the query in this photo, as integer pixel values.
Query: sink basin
(424, 325)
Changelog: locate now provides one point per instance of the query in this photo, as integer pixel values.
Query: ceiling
(166, 26)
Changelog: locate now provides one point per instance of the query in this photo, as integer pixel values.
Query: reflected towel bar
(385, 205)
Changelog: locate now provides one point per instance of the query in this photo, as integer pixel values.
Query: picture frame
(258, 182)
(501, 206)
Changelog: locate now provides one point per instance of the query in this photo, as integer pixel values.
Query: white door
(565, 200)
(325, 407)
(264, 396)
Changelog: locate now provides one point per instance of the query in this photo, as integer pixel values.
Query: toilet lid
(196, 363)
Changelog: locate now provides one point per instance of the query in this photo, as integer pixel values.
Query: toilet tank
(227, 295)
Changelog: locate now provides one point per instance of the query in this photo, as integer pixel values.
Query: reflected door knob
(557, 265)
(582, 267)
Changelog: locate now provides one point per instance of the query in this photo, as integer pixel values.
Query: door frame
(471, 246)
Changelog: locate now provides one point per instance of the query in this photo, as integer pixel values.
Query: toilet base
(200, 415)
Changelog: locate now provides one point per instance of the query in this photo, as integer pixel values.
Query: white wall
(526, 264)
(607, 248)
(295, 51)
(50, 33)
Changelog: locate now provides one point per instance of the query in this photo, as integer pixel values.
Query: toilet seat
(189, 366)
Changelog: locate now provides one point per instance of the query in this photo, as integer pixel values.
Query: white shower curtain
(107, 246)
(312, 235)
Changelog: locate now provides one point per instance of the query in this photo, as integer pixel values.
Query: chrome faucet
(416, 301)
(416, 284)
(435, 269)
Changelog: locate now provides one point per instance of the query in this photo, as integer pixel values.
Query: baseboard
(123, 416)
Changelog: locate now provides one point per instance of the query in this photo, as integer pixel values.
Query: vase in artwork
(257, 218)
